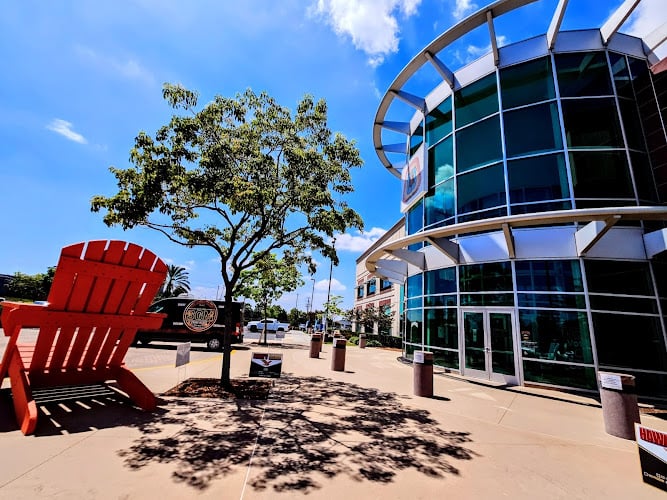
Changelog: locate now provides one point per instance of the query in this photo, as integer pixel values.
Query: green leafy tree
(278, 312)
(176, 282)
(31, 286)
(332, 308)
(241, 176)
(267, 280)
(296, 317)
(382, 316)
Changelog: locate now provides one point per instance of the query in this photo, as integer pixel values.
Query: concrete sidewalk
(354, 434)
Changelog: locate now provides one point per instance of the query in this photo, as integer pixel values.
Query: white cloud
(360, 241)
(64, 128)
(648, 16)
(463, 7)
(129, 69)
(371, 24)
(336, 286)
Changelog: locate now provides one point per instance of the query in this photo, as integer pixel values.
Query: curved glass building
(534, 193)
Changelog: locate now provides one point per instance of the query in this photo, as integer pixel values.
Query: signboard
(414, 179)
(419, 356)
(652, 446)
(183, 354)
(200, 315)
(265, 365)
(611, 381)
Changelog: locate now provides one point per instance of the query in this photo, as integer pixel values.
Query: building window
(439, 206)
(488, 277)
(439, 122)
(414, 220)
(414, 319)
(583, 74)
(476, 101)
(601, 174)
(481, 190)
(441, 161)
(629, 341)
(612, 276)
(385, 285)
(527, 83)
(441, 281)
(360, 292)
(371, 287)
(538, 178)
(478, 144)
(522, 137)
(555, 336)
(592, 123)
(414, 288)
(442, 328)
(549, 276)
(417, 139)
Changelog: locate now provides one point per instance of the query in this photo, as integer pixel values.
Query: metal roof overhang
(507, 223)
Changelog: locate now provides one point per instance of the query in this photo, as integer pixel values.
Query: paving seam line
(254, 448)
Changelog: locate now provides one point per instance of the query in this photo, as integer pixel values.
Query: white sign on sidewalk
(183, 354)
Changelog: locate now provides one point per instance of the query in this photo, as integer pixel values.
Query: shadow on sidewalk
(310, 430)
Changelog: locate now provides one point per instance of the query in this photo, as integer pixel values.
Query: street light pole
(310, 314)
(326, 314)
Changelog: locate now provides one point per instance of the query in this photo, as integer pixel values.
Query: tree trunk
(227, 343)
(266, 342)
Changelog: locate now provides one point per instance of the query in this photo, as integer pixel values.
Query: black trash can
(620, 410)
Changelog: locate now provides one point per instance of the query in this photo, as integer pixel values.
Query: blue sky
(81, 78)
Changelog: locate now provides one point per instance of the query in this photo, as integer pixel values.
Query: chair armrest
(8, 307)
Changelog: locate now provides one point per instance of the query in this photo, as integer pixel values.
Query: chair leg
(135, 389)
(25, 407)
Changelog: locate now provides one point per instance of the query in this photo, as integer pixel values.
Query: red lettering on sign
(655, 437)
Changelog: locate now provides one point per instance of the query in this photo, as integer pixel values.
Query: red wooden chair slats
(98, 300)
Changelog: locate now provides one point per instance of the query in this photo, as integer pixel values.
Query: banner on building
(414, 179)
(652, 446)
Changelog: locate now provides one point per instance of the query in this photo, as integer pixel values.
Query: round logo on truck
(200, 315)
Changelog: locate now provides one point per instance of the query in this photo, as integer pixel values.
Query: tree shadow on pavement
(310, 429)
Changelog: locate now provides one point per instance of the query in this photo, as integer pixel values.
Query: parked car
(272, 325)
(193, 320)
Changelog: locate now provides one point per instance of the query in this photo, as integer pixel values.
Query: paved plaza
(353, 434)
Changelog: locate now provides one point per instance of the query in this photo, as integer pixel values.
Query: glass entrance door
(488, 340)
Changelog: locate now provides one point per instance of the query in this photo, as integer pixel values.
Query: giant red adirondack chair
(99, 297)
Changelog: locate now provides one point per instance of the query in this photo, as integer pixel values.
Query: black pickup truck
(193, 320)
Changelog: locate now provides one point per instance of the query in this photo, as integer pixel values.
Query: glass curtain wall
(571, 138)
(558, 132)
(559, 345)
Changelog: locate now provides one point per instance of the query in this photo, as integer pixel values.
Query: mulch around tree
(251, 389)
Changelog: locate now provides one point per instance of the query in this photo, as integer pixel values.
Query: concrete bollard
(619, 404)
(362, 341)
(315, 345)
(423, 373)
(338, 354)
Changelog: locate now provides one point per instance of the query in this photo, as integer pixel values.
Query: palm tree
(176, 283)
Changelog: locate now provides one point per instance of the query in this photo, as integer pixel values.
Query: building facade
(379, 295)
(535, 200)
